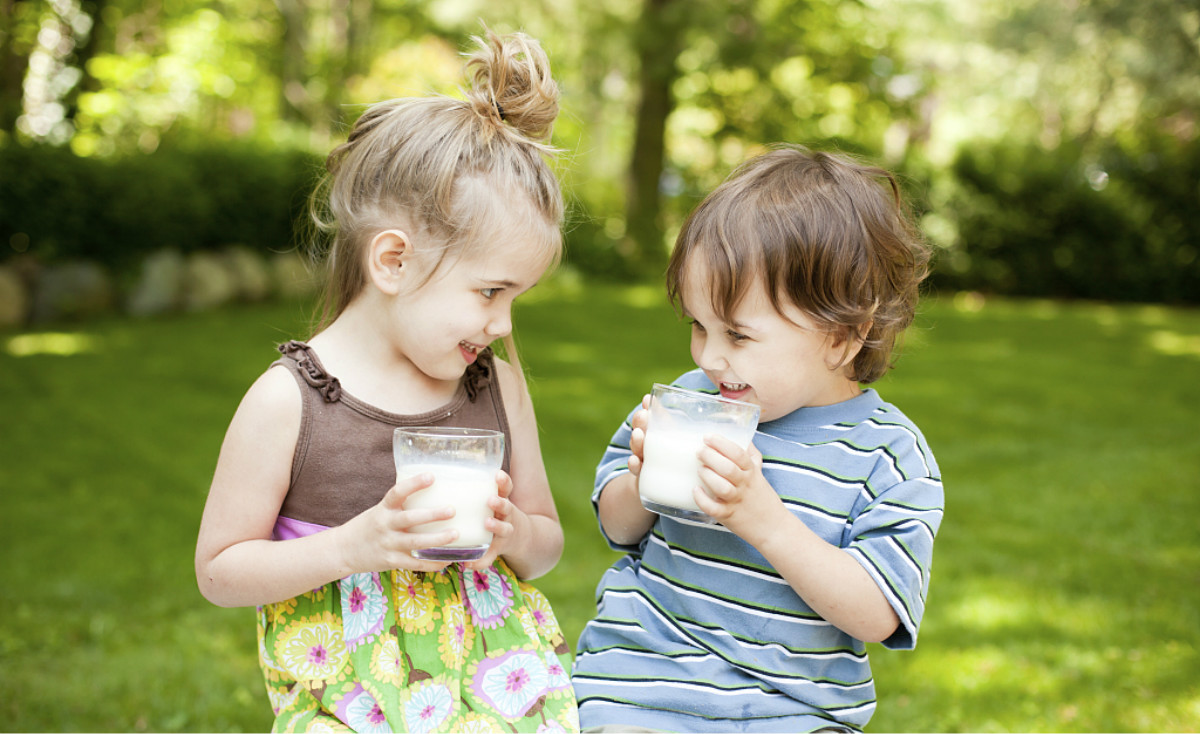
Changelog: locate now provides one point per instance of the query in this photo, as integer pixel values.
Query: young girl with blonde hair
(442, 212)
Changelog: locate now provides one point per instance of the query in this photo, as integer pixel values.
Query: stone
(14, 298)
(208, 283)
(294, 277)
(71, 290)
(159, 287)
(250, 273)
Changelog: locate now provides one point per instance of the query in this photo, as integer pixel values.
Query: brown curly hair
(827, 233)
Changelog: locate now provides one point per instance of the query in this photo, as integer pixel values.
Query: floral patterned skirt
(455, 650)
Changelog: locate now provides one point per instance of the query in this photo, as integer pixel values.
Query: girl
(797, 274)
(442, 212)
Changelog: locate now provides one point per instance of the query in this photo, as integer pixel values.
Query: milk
(466, 489)
(671, 466)
(678, 422)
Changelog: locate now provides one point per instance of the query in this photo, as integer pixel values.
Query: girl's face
(780, 362)
(445, 322)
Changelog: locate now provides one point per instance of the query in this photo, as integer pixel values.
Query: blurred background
(155, 163)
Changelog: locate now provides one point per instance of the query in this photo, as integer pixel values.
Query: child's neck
(371, 369)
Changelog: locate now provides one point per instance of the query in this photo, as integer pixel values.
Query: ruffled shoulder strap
(311, 369)
(479, 374)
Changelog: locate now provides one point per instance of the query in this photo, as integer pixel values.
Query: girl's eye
(735, 336)
(489, 293)
(695, 324)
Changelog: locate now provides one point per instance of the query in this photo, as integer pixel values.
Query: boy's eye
(736, 336)
(696, 324)
(489, 293)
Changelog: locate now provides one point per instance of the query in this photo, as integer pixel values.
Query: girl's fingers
(504, 484)
(404, 488)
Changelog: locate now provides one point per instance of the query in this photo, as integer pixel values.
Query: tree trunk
(294, 101)
(14, 62)
(658, 43)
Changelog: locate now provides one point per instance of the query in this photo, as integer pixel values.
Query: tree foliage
(661, 97)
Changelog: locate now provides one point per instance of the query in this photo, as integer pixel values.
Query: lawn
(1066, 591)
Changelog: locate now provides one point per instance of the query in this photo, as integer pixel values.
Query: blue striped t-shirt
(696, 632)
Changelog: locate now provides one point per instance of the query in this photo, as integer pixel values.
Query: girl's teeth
(735, 386)
(469, 347)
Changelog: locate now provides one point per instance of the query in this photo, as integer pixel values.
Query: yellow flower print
(479, 723)
(414, 600)
(387, 664)
(539, 606)
(456, 637)
(312, 648)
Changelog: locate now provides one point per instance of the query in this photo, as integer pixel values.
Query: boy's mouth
(733, 390)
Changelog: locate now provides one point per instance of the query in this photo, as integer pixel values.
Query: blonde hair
(819, 230)
(429, 158)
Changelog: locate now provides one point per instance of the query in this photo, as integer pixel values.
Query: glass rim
(448, 432)
(716, 398)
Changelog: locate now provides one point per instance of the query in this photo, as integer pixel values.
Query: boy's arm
(826, 577)
(622, 517)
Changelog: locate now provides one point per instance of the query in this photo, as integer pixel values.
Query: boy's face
(780, 362)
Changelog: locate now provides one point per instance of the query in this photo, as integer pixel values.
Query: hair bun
(511, 84)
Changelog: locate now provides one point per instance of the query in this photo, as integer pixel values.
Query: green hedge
(1120, 223)
(55, 205)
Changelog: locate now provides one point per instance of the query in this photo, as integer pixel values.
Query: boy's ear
(850, 341)
(389, 258)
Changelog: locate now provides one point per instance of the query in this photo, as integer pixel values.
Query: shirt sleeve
(893, 540)
(613, 464)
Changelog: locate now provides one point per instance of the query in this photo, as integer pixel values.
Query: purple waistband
(286, 528)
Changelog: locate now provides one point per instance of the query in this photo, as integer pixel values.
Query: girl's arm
(526, 530)
(238, 563)
(826, 577)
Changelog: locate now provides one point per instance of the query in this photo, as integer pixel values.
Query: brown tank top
(343, 462)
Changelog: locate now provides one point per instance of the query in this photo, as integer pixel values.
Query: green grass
(1066, 590)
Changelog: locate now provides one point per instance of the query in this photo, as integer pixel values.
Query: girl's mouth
(469, 351)
(734, 390)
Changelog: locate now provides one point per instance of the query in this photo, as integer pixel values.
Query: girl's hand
(734, 491)
(503, 525)
(637, 439)
(382, 538)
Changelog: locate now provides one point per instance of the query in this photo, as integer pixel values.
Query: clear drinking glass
(679, 420)
(463, 462)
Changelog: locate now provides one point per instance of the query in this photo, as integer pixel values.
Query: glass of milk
(679, 421)
(463, 462)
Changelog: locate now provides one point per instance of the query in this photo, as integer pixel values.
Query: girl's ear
(389, 260)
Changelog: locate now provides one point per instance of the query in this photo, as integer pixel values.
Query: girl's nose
(500, 325)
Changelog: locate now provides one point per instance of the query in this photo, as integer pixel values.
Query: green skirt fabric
(404, 651)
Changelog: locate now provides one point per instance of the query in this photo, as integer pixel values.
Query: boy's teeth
(469, 347)
(735, 386)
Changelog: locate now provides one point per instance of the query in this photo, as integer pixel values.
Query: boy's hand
(637, 438)
(734, 491)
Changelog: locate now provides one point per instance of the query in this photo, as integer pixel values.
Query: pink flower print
(511, 683)
(363, 607)
(362, 712)
(489, 597)
(428, 707)
(557, 677)
(317, 655)
(357, 598)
